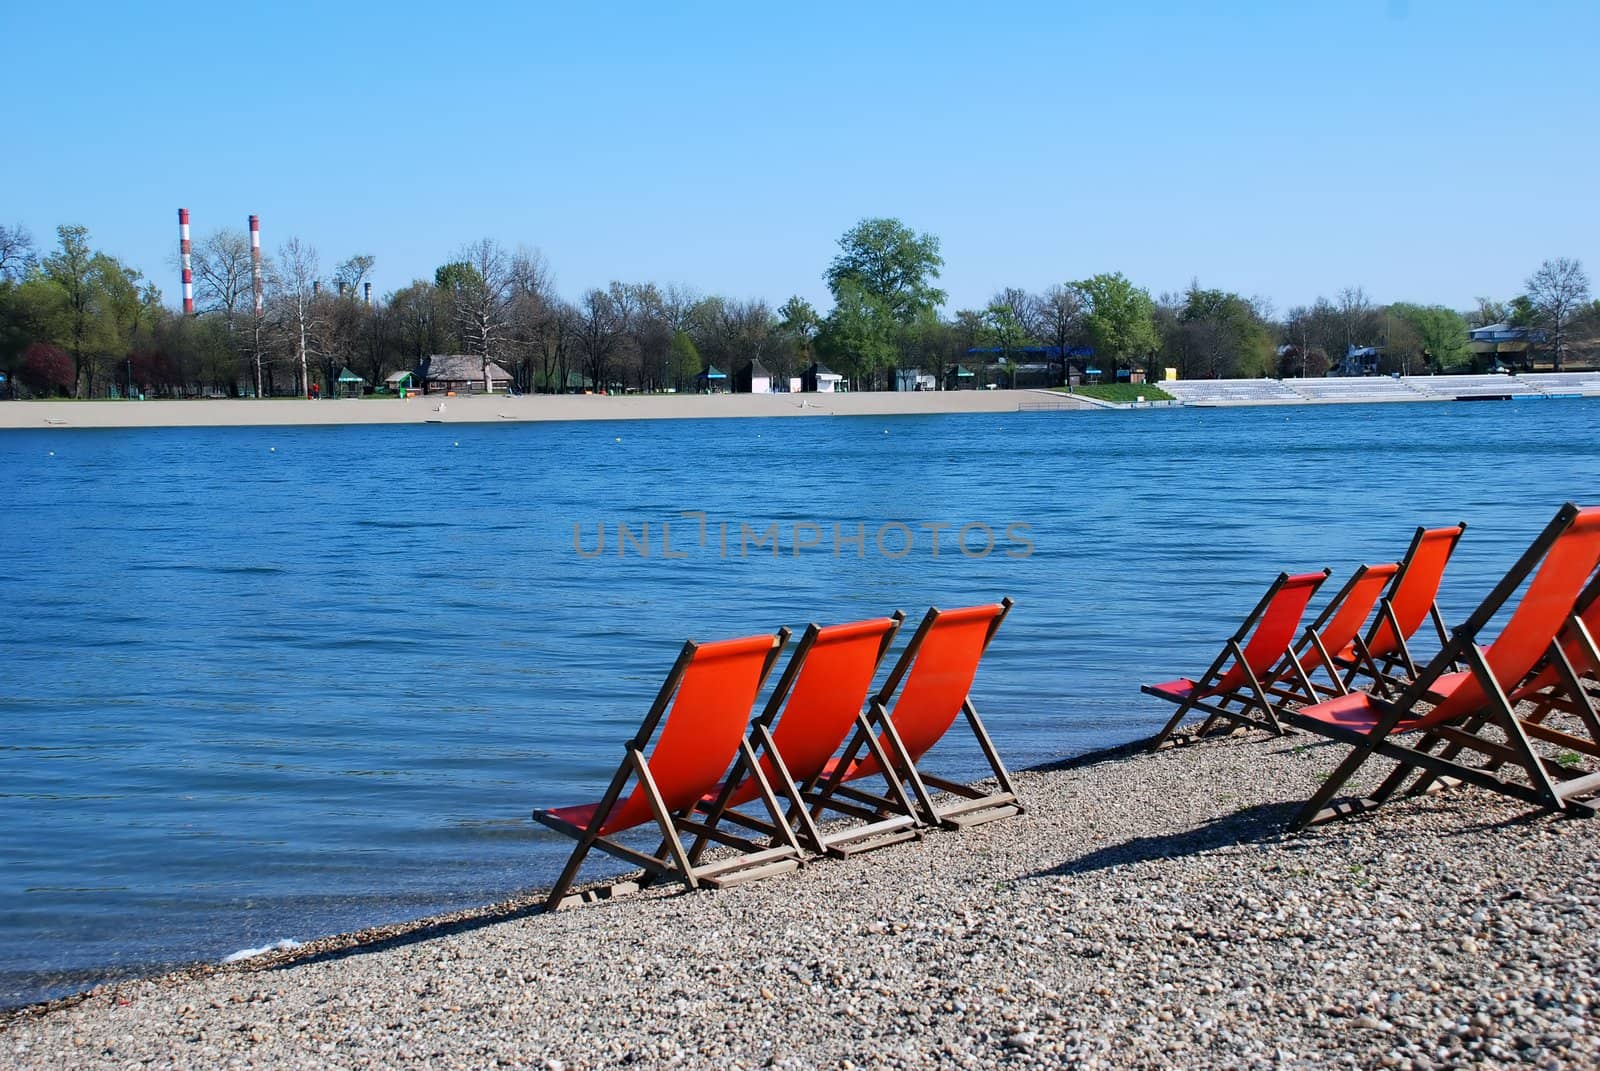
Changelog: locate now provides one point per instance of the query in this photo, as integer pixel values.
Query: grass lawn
(1122, 392)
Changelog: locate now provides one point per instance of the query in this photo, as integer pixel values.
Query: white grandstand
(1453, 387)
(1211, 392)
(1231, 392)
(1355, 389)
(1585, 383)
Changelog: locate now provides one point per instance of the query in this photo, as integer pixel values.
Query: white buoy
(272, 449)
(455, 444)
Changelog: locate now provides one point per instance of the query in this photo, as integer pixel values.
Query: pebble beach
(1148, 911)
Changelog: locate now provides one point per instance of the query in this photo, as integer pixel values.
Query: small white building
(820, 379)
(753, 378)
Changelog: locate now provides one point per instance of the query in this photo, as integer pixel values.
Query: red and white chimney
(184, 256)
(255, 259)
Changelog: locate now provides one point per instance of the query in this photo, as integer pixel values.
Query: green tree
(858, 337)
(1223, 336)
(684, 359)
(130, 308)
(1118, 317)
(1005, 331)
(799, 322)
(1426, 336)
(888, 262)
(75, 270)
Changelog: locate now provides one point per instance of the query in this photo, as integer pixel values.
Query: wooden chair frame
(895, 811)
(1315, 640)
(1547, 784)
(1389, 670)
(671, 858)
(1258, 707)
(798, 791)
(1564, 683)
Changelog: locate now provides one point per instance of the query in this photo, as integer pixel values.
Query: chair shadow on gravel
(1261, 823)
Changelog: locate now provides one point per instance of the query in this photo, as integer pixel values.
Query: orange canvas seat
(814, 707)
(1336, 632)
(1564, 684)
(928, 688)
(710, 689)
(1451, 708)
(1235, 687)
(1547, 676)
(1387, 658)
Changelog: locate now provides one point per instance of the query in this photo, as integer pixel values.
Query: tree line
(76, 321)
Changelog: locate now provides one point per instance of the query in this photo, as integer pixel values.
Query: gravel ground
(1148, 911)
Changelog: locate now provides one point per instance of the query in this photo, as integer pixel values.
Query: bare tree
(1557, 291)
(17, 254)
(378, 339)
(555, 334)
(1488, 311)
(1022, 308)
(295, 286)
(421, 320)
(531, 295)
(650, 332)
(598, 329)
(1358, 316)
(260, 327)
(678, 305)
(478, 282)
(222, 274)
(349, 275)
(1058, 312)
(730, 331)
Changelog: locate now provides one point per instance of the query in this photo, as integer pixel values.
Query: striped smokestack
(255, 259)
(366, 293)
(183, 255)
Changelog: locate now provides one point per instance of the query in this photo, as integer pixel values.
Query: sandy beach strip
(1148, 911)
(478, 409)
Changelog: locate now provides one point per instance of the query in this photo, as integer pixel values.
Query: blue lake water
(265, 683)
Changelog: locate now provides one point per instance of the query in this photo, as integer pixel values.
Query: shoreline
(1097, 928)
(480, 409)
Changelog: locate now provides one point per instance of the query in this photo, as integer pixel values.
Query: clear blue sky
(1429, 151)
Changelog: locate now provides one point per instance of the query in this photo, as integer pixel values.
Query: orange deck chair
(930, 685)
(1336, 629)
(1463, 703)
(711, 689)
(818, 701)
(1240, 694)
(1412, 600)
(1564, 684)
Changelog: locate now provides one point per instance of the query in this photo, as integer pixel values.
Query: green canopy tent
(350, 384)
(959, 378)
(711, 381)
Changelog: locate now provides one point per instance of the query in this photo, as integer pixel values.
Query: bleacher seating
(1354, 389)
(1489, 386)
(1563, 382)
(1231, 392)
(1379, 388)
